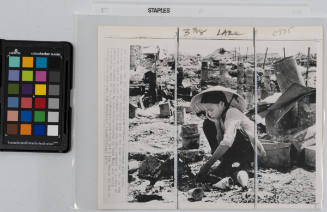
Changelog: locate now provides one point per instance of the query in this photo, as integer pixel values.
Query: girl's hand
(200, 177)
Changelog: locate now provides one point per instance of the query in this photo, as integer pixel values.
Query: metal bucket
(180, 113)
(191, 141)
(278, 155)
(164, 110)
(132, 111)
(310, 156)
(287, 73)
(189, 129)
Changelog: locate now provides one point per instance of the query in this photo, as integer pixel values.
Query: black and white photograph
(152, 130)
(214, 117)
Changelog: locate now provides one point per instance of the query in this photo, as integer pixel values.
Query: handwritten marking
(194, 31)
(226, 33)
(282, 31)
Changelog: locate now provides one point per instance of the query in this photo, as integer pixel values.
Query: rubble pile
(150, 177)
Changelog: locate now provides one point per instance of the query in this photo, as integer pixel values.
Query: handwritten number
(282, 31)
(194, 31)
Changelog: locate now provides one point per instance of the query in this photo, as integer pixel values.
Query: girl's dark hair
(214, 97)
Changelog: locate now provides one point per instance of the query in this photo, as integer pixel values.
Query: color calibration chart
(36, 84)
(33, 96)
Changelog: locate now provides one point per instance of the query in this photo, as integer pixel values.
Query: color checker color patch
(41, 62)
(14, 62)
(13, 75)
(27, 62)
